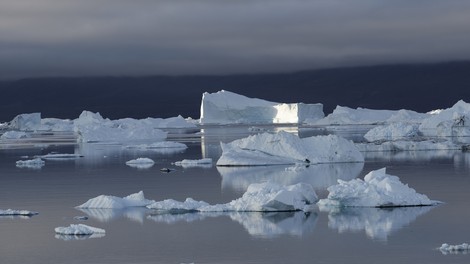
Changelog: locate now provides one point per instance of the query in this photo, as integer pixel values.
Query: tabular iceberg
(378, 189)
(286, 148)
(225, 107)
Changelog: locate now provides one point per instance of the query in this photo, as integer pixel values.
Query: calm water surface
(368, 235)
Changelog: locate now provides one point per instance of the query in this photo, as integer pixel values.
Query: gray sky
(140, 37)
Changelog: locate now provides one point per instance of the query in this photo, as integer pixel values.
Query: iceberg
(362, 116)
(225, 107)
(394, 131)
(454, 249)
(158, 145)
(14, 135)
(113, 202)
(36, 163)
(26, 122)
(11, 212)
(378, 189)
(77, 230)
(285, 148)
(61, 156)
(260, 197)
(92, 127)
(408, 145)
(188, 163)
(451, 122)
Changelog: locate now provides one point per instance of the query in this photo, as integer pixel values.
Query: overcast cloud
(140, 37)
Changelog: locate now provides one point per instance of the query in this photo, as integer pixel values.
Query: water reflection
(78, 237)
(377, 223)
(427, 155)
(135, 214)
(320, 176)
(259, 224)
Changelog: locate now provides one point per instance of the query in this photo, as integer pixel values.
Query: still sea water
(356, 235)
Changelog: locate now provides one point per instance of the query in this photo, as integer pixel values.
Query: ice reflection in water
(78, 237)
(135, 214)
(320, 176)
(377, 223)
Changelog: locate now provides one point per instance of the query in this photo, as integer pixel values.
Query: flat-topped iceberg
(225, 107)
(260, 197)
(287, 148)
(113, 202)
(378, 189)
(79, 230)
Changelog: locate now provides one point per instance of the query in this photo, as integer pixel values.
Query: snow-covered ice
(141, 163)
(260, 197)
(92, 127)
(453, 121)
(190, 163)
(79, 229)
(26, 122)
(225, 107)
(12, 212)
(378, 189)
(393, 131)
(113, 202)
(36, 163)
(454, 249)
(287, 148)
(361, 116)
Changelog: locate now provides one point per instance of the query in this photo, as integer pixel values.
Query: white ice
(225, 107)
(453, 121)
(378, 189)
(157, 145)
(408, 145)
(60, 156)
(12, 212)
(141, 163)
(36, 163)
(113, 202)
(190, 163)
(79, 229)
(454, 249)
(13, 134)
(287, 148)
(260, 197)
(394, 131)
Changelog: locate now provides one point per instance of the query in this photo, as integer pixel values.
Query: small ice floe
(260, 197)
(188, 163)
(158, 145)
(36, 163)
(113, 202)
(11, 212)
(378, 189)
(141, 163)
(60, 156)
(79, 230)
(454, 249)
(284, 148)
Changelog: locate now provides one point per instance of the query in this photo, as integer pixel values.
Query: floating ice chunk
(454, 249)
(56, 124)
(378, 189)
(60, 156)
(344, 115)
(14, 135)
(225, 107)
(36, 163)
(92, 127)
(80, 229)
(188, 163)
(11, 212)
(286, 148)
(140, 163)
(393, 131)
(113, 202)
(408, 145)
(158, 145)
(453, 121)
(260, 197)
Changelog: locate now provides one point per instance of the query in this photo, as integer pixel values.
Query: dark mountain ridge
(419, 87)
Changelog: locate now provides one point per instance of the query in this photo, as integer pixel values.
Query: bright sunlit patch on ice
(113, 202)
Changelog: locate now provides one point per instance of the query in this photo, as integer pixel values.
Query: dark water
(368, 235)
